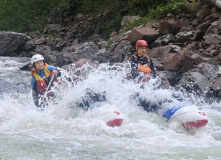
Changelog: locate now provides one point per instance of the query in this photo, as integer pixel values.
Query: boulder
(217, 85)
(216, 3)
(200, 79)
(201, 30)
(121, 50)
(213, 28)
(172, 26)
(203, 12)
(179, 62)
(210, 71)
(212, 38)
(161, 51)
(172, 77)
(10, 41)
(163, 40)
(219, 57)
(184, 36)
(194, 81)
(82, 62)
(146, 33)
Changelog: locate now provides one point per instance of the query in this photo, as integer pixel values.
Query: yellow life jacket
(41, 84)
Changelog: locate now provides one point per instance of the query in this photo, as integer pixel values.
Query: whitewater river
(63, 132)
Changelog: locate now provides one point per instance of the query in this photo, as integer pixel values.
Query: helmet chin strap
(140, 55)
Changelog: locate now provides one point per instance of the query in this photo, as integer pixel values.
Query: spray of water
(64, 131)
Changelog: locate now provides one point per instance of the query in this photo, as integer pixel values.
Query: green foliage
(30, 15)
(113, 25)
(91, 6)
(25, 15)
(161, 10)
(173, 7)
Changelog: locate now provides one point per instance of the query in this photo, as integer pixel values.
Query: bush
(31, 15)
(161, 10)
(25, 15)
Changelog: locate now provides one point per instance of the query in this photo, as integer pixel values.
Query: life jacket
(41, 83)
(144, 68)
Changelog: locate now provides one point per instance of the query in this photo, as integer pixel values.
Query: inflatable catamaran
(108, 113)
(189, 116)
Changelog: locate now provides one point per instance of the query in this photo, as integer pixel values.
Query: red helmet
(141, 43)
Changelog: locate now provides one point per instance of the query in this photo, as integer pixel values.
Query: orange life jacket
(144, 68)
(41, 84)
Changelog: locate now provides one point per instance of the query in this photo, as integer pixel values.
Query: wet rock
(145, 33)
(184, 36)
(172, 77)
(200, 79)
(203, 12)
(161, 51)
(172, 26)
(10, 41)
(29, 45)
(208, 70)
(193, 81)
(163, 40)
(219, 56)
(179, 62)
(50, 59)
(212, 38)
(216, 3)
(201, 30)
(43, 49)
(217, 85)
(40, 41)
(214, 28)
(82, 62)
(121, 50)
(197, 59)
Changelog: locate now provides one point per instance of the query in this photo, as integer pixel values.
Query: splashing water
(63, 131)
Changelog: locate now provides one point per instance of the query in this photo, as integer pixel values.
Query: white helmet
(36, 58)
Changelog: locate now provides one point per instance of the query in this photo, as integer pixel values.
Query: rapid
(64, 132)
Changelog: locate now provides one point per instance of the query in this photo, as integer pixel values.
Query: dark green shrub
(26, 15)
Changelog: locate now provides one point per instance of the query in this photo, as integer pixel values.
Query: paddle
(45, 94)
(49, 84)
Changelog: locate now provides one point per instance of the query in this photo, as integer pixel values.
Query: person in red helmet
(141, 63)
(142, 69)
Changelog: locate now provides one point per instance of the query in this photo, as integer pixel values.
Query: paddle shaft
(49, 84)
(45, 94)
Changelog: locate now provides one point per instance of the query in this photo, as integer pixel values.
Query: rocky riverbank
(185, 48)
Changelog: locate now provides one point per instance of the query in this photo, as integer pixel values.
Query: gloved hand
(129, 77)
(36, 104)
(41, 106)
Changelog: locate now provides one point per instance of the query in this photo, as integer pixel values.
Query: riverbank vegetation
(31, 15)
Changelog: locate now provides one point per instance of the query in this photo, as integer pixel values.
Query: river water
(63, 132)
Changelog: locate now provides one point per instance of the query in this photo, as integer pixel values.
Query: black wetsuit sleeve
(153, 71)
(35, 94)
(59, 73)
(133, 74)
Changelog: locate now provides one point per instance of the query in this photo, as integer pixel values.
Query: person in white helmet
(41, 76)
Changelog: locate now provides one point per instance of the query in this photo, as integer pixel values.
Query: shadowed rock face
(217, 3)
(9, 41)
